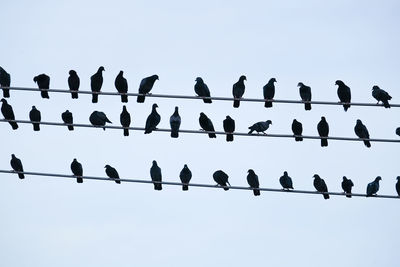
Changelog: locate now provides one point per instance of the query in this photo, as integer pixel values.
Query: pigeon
(73, 83)
(320, 185)
(5, 81)
(96, 82)
(305, 94)
(398, 185)
(43, 82)
(34, 116)
(8, 113)
(68, 119)
(207, 125)
(323, 131)
(269, 92)
(201, 89)
(125, 119)
(121, 84)
(77, 170)
(221, 178)
(347, 184)
(175, 122)
(344, 94)
(373, 187)
(229, 128)
(398, 131)
(238, 91)
(152, 120)
(286, 181)
(155, 174)
(381, 96)
(99, 119)
(297, 129)
(252, 180)
(16, 164)
(145, 87)
(260, 127)
(185, 176)
(362, 132)
(112, 173)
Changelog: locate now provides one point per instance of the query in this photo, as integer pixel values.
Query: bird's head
(33, 107)
(154, 163)
(121, 73)
(101, 69)
(375, 87)
(300, 84)
(35, 78)
(75, 159)
(124, 108)
(272, 80)
(12, 155)
(323, 118)
(154, 77)
(269, 121)
(72, 72)
(243, 78)
(377, 179)
(199, 79)
(185, 166)
(202, 114)
(176, 109)
(155, 106)
(107, 166)
(251, 171)
(339, 82)
(359, 121)
(398, 178)
(228, 117)
(316, 176)
(344, 178)
(285, 173)
(67, 111)
(4, 101)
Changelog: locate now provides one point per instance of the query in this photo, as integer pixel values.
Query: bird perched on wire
(73, 83)
(96, 82)
(305, 94)
(185, 175)
(201, 89)
(67, 118)
(207, 125)
(35, 117)
(43, 82)
(121, 84)
(145, 87)
(398, 185)
(221, 178)
(155, 174)
(16, 164)
(252, 180)
(260, 127)
(77, 170)
(297, 129)
(8, 113)
(152, 120)
(269, 92)
(99, 119)
(125, 119)
(362, 132)
(238, 91)
(323, 131)
(229, 128)
(381, 96)
(373, 187)
(347, 185)
(286, 181)
(175, 123)
(5, 81)
(320, 185)
(344, 94)
(112, 173)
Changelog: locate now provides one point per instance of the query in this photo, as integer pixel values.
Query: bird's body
(252, 180)
(8, 113)
(156, 176)
(229, 128)
(297, 129)
(286, 181)
(398, 131)
(152, 120)
(381, 96)
(201, 89)
(373, 187)
(35, 117)
(5, 81)
(323, 131)
(145, 87)
(305, 94)
(320, 186)
(238, 91)
(175, 123)
(362, 132)
(347, 185)
(73, 83)
(121, 84)
(207, 125)
(185, 175)
(260, 127)
(43, 82)
(269, 92)
(16, 164)
(221, 178)
(68, 119)
(344, 94)
(99, 119)
(125, 119)
(96, 82)
(112, 173)
(77, 170)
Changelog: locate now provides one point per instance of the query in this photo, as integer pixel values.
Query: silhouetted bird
(99, 119)
(73, 83)
(373, 187)
(16, 164)
(323, 131)
(398, 131)
(260, 127)
(77, 170)
(252, 180)
(125, 119)
(305, 94)
(207, 125)
(201, 89)
(43, 82)
(381, 95)
(269, 92)
(221, 178)
(238, 91)
(96, 82)
(229, 128)
(35, 117)
(362, 132)
(8, 113)
(286, 181)
(344, 94)
(320, 186)
(121, 84)
(185, 176)
(398, 185)
(68, 119)
(175, 123)
(112, 173)
(5, 81)
(347, 184)
(155, 174)
(152, 120)
(297, 129)
(145, 87)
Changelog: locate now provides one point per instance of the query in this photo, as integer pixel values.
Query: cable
(200, 97)
(207, 132)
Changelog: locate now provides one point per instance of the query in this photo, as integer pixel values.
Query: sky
(57, 222)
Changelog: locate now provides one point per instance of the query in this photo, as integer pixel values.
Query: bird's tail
(229, 137)
(6, 93)
(36, 127)
(14, 125)
(346, 107)
(79, 180)
(95, 98)
(44, 94)
(70, 127)
(268, 104)
(256, 192)
(212, 135)
(185, 187)
(157, 187)
(208, 101)
(326, 196)
(126, 132)
(307, 106)
(174, 134)
(21, 175)
(367, 143)
(124, 98)
(236, 103)
(117, 181)
(74, 95)
(324, 142)
(298, 138)
(140, 98)
(386, 104)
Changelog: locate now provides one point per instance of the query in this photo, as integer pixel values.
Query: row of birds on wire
(219, 176)
(99, 119)
(200, 88)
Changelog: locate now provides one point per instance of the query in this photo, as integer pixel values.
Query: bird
(16, 164)
(99, 119)
(221, 178)
(185, 175)
(35, 117)
(252, 180)
(344, 94)
(320, 185)
(121, 84)
(398, 185)
(229, 128)
(373, 187)
(381, 96)
(269, 92)
(145, 87)
(323, 131)
(5, 81)
(125, 119)
(305, 94)
(286, 181)
(73, 83)
(238, 90)
(43, 82)
(362, 132)
(201, 89)
(260, 127)
(175, 123)
(155, 174)
(347, 184)
(8, 113)
(297, 129)
(207, 125)
(152, 120)
(67, 118)
(398, 131)
(96, 82)
(112, 173)
(77, 170)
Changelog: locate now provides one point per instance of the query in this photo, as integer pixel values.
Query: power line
(207, 132)
(195, 184)
(286, 101)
